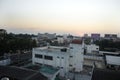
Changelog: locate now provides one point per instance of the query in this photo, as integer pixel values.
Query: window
(61, 67)
(38, 56)
(64, 50)
(49, 57)
(71, 56)
(58, 57)
(96, 48)
(62, 57)
(70, 65)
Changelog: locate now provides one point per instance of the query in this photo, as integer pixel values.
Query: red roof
(76, 41)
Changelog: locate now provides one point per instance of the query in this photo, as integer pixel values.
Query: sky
(60, 16)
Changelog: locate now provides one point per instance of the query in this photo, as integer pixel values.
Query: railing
(93, 57)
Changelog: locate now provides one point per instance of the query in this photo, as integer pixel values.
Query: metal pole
(92, 70)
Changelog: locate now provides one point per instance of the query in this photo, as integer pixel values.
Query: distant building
(65, 58)
(46, 36)
(64, 39)
(95, 36)
(77, 37)
(110, 36)
(69, 38)
(85, 36)
(36, 39)
(3, 31)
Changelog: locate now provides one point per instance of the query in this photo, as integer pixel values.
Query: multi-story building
(92, 56)
(110, 36)
(65, 58)
(65, 38)
(95, 36)
(45, 38)
(85, 36)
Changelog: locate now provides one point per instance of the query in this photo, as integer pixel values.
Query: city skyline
(60, 16)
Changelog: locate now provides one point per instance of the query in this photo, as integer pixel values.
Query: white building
(65, 58)
(60, 39)
(64, 38)
(92, 56)
(92, 48)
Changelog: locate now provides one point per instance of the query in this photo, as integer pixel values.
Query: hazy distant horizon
(74, 17)
(36, 33)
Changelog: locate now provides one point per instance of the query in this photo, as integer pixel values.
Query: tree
(14, 42)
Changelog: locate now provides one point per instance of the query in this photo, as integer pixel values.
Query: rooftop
(52, 48)
(43, 69)
(46, 70)
(20, 73)
(76, 41)
(105, 74)
(113, 60)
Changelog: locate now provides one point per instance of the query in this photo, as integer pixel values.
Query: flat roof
(114, 60)
(20, 73)
(43, 68)
(48, 70)
(52, 49)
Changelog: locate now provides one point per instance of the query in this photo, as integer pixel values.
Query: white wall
(77, 53)
(60, 62)
(91, 48)
(60, 39)
(64, 59)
